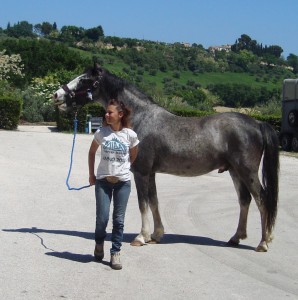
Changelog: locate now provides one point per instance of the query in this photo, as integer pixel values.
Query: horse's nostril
(55, 96)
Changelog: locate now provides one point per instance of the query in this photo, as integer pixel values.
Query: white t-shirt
(115, 145)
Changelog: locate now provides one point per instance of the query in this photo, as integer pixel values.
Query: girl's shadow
(128, 237)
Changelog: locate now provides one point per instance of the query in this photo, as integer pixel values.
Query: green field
(213, 78)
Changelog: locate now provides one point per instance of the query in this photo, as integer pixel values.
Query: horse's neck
(140, 103)
(143, 108)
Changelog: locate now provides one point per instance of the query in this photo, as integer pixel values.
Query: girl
(118, 151)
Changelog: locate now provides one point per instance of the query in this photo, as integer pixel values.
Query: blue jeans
(104, 191)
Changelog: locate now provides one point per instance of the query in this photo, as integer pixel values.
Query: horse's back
(195, 146)
(220, 133)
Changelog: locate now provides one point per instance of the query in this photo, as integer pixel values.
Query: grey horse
(186, 146)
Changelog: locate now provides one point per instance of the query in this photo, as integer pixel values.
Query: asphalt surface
(46, 232)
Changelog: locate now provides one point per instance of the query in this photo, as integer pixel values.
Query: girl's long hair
(120, 106)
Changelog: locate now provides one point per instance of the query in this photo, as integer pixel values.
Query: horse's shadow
(127, 238)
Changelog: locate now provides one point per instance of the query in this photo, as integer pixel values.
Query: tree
(43, 29)
(37, 29)
(94, 33)
(244, 43)
(10, 65)
(72, 33)
(244, 58)
(41, 57)
(292, 60)
(194, 97)
(21, 29)
(275, 50)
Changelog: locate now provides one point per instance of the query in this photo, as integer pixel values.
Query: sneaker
(98, 252)
(115, 262)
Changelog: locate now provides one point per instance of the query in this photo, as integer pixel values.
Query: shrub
(242, 95)
(273, 120)
(10, 111)
(36, 107)
(176, 74)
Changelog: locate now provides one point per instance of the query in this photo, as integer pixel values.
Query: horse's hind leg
(254, 188)
(153, 203)
(244, 199)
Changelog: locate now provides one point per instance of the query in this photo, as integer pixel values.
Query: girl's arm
(133, 152)
(91, 161)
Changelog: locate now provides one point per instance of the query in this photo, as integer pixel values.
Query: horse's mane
(115, 85)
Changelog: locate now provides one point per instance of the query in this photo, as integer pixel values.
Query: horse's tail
(270, 172)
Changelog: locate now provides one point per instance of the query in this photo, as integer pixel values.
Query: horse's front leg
(142, 186)
(153, 203)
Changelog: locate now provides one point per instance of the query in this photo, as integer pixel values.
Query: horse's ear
(97, 69)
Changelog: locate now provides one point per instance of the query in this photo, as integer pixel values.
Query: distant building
(186, 45)
(226, 48)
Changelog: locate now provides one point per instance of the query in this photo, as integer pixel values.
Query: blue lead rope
(71, 159)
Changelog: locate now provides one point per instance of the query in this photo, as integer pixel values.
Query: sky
(205, 22)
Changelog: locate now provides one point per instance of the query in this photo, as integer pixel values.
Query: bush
(10, 111)
(242, 95)
(272, 107)
(176, 74)
(273, 120)
(36, 107)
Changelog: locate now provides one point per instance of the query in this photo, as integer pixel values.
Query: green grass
(213, 78)
(229, 77)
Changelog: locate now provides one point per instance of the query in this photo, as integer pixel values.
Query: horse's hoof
(232, 243)
(152, 242)
(262, 248)
(137, 243)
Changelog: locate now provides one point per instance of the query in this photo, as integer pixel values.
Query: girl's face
(113, 116)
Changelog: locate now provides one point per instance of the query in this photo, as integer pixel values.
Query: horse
(188, 146)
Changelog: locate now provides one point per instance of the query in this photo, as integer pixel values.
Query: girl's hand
(92, 179)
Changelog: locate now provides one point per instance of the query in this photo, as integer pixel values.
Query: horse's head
(96, 84)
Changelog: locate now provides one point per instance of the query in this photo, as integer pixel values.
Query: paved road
(46, 232)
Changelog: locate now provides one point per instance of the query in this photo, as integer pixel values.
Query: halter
(88, 92)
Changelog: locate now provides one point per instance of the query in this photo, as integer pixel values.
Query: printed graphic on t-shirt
(114, 151)
(114, 145)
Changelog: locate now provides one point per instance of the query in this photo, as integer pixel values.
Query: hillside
(204, 79)
(258, 87)
(245, 74)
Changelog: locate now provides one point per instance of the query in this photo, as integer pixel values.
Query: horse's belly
(186, 169)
